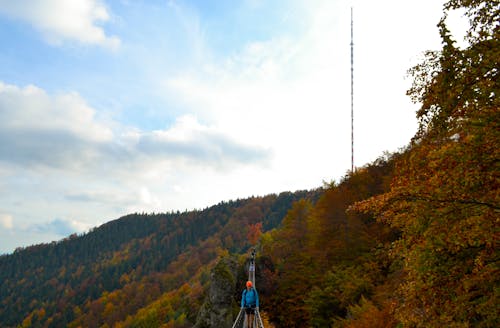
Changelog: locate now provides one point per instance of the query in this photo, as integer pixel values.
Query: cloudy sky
(109, 107)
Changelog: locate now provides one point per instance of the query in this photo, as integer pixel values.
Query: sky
(110, 107)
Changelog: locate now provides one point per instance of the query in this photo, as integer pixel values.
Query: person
(250, 302)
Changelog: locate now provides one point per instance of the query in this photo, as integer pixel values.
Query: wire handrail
(238, 319)
(241, 319)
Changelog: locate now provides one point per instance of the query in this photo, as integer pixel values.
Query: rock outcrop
(218, 309)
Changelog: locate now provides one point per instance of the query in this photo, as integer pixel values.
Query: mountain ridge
(60, 276)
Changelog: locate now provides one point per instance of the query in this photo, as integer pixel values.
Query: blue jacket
(250, 298)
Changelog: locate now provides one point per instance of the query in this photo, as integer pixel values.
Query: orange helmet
(249, 283)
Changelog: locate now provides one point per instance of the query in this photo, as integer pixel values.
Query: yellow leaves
(108, 309)
(266, 242)
(181, 320)
(77, 311)
(41, 313)
(26, 322)
(221, 252)
(445, 198)
(125, 279)
(265, 320)
(368, 315)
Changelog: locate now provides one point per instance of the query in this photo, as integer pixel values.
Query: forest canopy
(410, 240)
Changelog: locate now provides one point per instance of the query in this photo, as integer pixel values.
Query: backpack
(245, 295)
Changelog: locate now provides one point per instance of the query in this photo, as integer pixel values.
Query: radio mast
(352, 95)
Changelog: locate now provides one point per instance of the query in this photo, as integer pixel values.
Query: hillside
(410, 240)
(154, 270)
(54, 284)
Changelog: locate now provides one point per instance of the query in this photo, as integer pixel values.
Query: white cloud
(40, 129)
(62, 160)
(270, 116)
(286, 93)
(63, 20)
(292, 92)
(62, 131)
(188, 140)
(6, 221)
(32, 108)
(23, 235)
(60, 227)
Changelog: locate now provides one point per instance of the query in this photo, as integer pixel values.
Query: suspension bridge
(242, 318)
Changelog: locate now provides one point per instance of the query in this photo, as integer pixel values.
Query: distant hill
(338, 256)
(409, 240)
(53, 285)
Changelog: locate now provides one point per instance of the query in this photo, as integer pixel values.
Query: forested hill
(410, 240)
(54, 284)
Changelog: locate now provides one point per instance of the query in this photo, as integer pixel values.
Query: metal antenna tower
(352, 95)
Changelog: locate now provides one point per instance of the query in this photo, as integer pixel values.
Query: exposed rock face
(217, 311)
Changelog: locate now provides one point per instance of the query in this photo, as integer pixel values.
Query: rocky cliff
(218, 309)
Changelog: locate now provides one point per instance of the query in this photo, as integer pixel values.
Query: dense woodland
(114, 270)
(410, 240)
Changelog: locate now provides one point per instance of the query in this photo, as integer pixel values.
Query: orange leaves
(367, 315)
(322, 256)
(445, 193)
(254, 232)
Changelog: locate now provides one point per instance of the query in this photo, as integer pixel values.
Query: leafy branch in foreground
(445, 196)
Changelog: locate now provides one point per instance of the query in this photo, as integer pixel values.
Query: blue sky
(108, 107)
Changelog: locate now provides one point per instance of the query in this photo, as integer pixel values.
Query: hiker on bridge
(250, 302)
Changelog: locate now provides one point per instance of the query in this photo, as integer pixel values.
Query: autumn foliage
(431, 257)
(410, 240)
(445, 195)
(142, 270)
